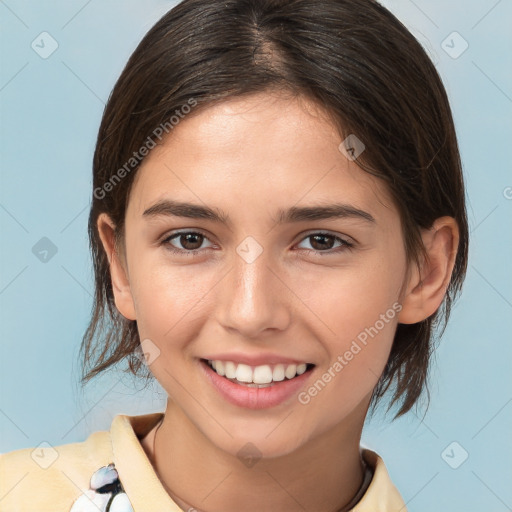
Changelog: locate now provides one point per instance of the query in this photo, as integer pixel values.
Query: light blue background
(51, 110)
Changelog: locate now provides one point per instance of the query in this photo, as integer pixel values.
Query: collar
(145, 490)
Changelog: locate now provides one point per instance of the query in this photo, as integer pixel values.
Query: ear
(427, 286)
(119, 275)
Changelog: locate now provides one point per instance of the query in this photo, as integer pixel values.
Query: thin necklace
(367, 477)
(154, 437)
(171, 493)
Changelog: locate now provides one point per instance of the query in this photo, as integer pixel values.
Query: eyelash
(345, 244)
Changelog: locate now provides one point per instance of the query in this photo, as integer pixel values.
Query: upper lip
(254, 360)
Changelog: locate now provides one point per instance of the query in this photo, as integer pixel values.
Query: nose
(254, 298)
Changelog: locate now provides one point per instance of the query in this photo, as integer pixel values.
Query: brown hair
(351, 57)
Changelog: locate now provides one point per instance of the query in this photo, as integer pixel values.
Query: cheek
(360, 307)
(170, 304)
(353, 299)
(363, 322)
(168, 300)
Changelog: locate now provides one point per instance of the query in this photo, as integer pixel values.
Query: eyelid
(346, 243)
(184, 231)
(345, 238)
(174, 234)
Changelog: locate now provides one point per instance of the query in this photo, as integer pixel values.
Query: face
(269, 278)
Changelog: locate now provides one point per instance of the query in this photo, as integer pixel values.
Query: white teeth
(219, 368)
(291, 371)
(278, 373)
(244, 373)
(230, 370)
(258, 375)
(301, 368)
(262, 375)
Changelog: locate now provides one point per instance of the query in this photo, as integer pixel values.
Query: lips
(249, 394)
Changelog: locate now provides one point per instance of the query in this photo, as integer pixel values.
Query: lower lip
(255, 398)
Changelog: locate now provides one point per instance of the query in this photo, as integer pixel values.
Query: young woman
(277, 226)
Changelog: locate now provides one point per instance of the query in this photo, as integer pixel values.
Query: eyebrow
(170, 208)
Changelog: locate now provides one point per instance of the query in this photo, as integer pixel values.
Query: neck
(324, 474)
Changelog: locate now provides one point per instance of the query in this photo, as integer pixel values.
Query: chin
(256, 443)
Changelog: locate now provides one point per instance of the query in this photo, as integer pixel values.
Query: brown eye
(325, 243)
(185, 242)
(191, 241)
(322, 242)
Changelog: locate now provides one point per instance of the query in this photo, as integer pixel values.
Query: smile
(256, 387)
(257, 376)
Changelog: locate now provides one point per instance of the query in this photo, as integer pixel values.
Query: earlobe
(118, 273)
(427, 286)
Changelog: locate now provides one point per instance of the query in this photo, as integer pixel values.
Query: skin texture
(249, 157)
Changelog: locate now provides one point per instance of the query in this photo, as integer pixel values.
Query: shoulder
(51, 477)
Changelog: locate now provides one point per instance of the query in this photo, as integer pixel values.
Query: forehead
(264, 150)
